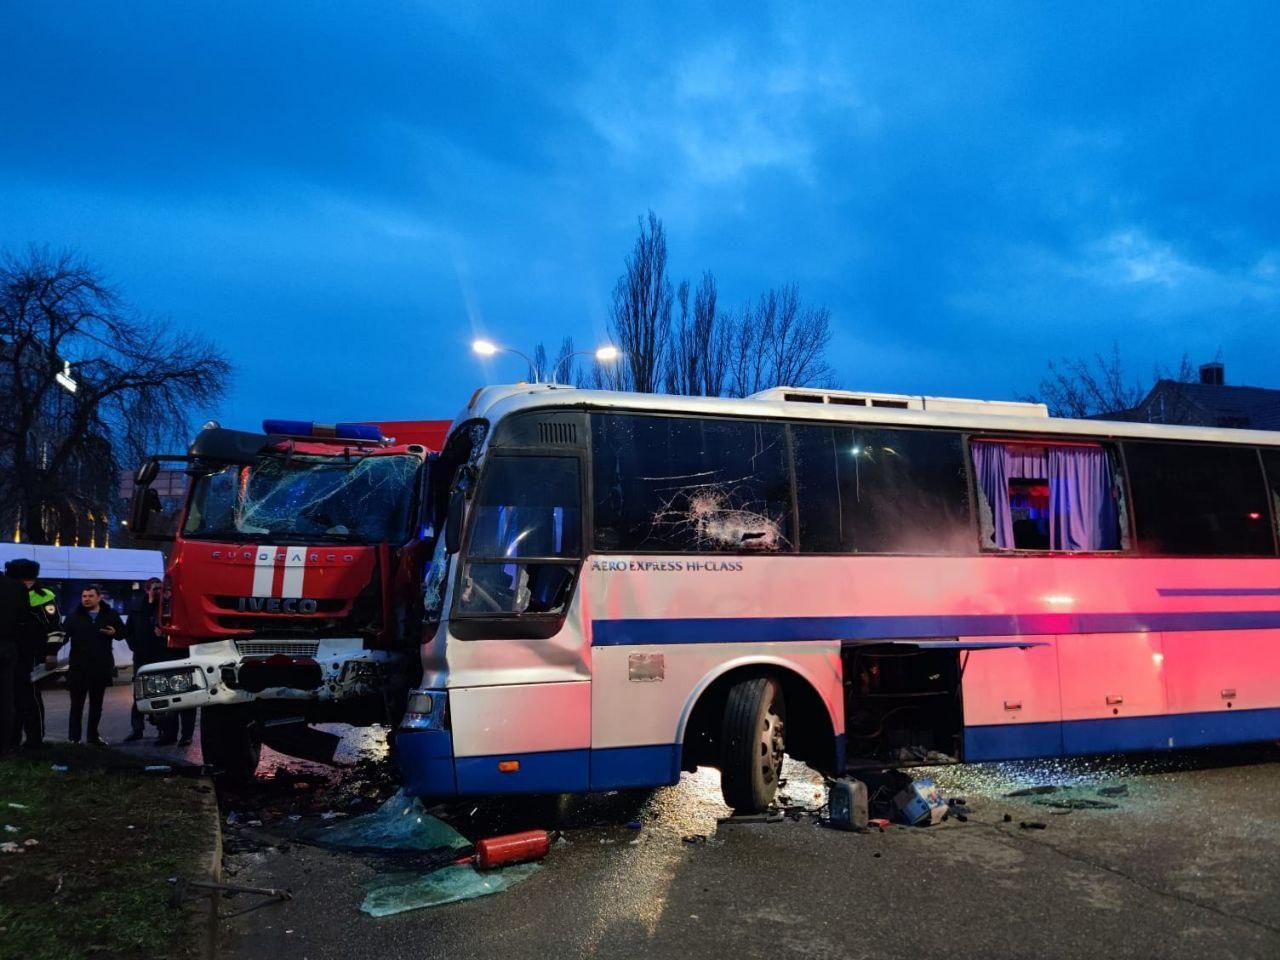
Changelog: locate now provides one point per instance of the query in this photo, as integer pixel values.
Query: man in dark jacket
(39, 618)
(92, 629)
(147, 643)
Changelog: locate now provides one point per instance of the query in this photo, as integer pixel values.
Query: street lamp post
(487, 348)
(606, 354)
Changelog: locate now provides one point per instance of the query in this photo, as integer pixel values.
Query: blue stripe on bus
(425, 759)
(613, 633)
(549, 771)
(1018, 741)
(1218, 591)
(623, 768)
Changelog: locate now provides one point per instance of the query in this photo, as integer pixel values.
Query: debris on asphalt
(847, 804)
(10, 828)
(13, 805)
(59, 767)
(1034, 791)
(634, 825)
(881, 823)
(1032, 825)
(920, 804)
(1119, 791)
(397, 892)
(400, 823)
(157, 768)
(1008, 818)
(1077, 803)
(10, 847)
(775, 816)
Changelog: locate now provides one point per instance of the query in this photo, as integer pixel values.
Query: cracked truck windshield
(304, 499)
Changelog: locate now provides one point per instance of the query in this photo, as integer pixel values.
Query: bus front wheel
(229, 741)
(752, 744)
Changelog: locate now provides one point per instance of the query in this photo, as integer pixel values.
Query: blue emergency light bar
(360, 432)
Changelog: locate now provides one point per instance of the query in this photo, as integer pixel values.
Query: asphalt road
(1185, 866)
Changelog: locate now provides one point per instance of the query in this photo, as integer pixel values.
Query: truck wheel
(751, 744)
(229, 741)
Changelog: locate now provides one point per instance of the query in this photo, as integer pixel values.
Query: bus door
(520, 690)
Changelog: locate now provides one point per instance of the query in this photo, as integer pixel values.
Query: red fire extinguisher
(509, 848)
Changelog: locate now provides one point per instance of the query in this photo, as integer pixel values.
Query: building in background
(79, 505)
(1209, 402)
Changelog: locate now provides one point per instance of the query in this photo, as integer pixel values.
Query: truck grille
(269, 648)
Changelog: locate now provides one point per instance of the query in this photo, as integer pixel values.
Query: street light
(487, 348)
(605, 354)
(64, 377)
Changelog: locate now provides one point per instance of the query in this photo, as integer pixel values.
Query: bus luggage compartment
(903, 699)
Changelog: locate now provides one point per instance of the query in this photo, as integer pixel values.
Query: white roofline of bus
(495, 402)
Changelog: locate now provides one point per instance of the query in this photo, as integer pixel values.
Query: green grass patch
(108, 836)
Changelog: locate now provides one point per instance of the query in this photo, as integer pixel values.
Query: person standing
(92, 629)
(39, 619)
(11, 609)
(147, 642)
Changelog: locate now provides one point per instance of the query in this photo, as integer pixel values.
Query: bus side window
(1036, 495)
(875, 490)
(1194, 499)
(690, 485)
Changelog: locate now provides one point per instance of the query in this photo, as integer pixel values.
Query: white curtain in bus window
(690, 485)
(1047, 496)
(878, 490)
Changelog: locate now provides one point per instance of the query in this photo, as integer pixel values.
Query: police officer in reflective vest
(39, 619)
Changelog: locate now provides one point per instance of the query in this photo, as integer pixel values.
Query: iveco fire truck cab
(293, 589)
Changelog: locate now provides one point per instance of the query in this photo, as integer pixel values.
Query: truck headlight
(165, 683)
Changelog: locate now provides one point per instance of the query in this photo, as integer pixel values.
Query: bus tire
(229, 741)
(751, 744)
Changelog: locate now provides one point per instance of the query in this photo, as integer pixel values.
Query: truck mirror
(453, 521)
(146, 474)
(144, 509)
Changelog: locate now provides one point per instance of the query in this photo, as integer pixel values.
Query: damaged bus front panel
(293, 586)
(635, 585)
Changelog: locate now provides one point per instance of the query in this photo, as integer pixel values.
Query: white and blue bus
(634, 585)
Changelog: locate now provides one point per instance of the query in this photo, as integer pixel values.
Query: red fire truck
(293, 586)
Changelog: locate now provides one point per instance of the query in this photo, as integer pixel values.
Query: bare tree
(707, 351)
(1089, 386)
(698, 363)
(86, 386)
(641, 317)
(538, 365)
(779, 342)
(557, 369)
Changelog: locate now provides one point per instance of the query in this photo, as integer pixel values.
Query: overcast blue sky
(342, 195)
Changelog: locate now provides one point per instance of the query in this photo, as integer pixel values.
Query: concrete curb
(212, 861)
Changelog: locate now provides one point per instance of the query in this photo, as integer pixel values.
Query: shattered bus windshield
(305, 499)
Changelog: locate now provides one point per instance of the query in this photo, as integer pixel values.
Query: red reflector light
(508, 766)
